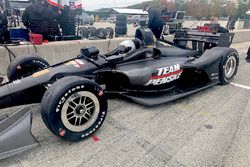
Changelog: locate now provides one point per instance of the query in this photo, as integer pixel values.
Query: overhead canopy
(130, 11)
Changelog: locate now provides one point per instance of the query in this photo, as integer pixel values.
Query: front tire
(25, 65)
(229, 67)
(73, 108)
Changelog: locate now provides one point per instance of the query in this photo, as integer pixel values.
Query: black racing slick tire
(121, 30)
(121, 17)
(110, 32)
(229, 66)
(73, 108)
(92, 32)
(83, 32)
(101, 33)
(25, 65)
(121, 23)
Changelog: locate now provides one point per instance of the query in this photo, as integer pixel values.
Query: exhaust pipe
(15, 133)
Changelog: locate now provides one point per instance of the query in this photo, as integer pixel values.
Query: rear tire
(25, 65)
(229, 67)
(73, 108)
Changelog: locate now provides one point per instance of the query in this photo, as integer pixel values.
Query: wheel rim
(230, 67)
(80, 111)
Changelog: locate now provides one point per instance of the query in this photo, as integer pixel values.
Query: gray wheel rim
(80, 111)
(230, 67)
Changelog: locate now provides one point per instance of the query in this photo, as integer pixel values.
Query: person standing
(164, 10)
(3, 24)
(38, 17)
(155, 22)
(248, 55)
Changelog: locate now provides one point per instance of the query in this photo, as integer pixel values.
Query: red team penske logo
(165, 75)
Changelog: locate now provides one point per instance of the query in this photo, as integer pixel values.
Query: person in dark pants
(248, 55)
(231, 23)
(164, 11)
(4, 33)
(38, 17)
(155, 22)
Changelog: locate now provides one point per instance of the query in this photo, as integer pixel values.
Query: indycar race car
(73, 94)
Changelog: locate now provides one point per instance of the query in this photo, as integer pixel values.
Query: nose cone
(15, 133)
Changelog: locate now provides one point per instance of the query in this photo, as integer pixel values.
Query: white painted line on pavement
(240, 86)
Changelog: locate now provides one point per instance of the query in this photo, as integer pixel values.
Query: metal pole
(59, 4)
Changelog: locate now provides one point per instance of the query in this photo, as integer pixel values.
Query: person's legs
(248, 55)
(157, 32)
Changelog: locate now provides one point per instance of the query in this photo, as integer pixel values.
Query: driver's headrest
(145, 35)
(138, 43)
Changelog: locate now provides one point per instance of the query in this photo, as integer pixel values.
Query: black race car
(73, 94)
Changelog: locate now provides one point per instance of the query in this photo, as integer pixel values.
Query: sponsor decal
(77, 63)
(100, 93)
(19, 67)
(68, 63)
(39, 73)
(165, 75)
(214, 78)
(62, 132)
(95, 138)
(214, 74)
(39, 62)
(16, 82)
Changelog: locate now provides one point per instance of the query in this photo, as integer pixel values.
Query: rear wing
(204, 38)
